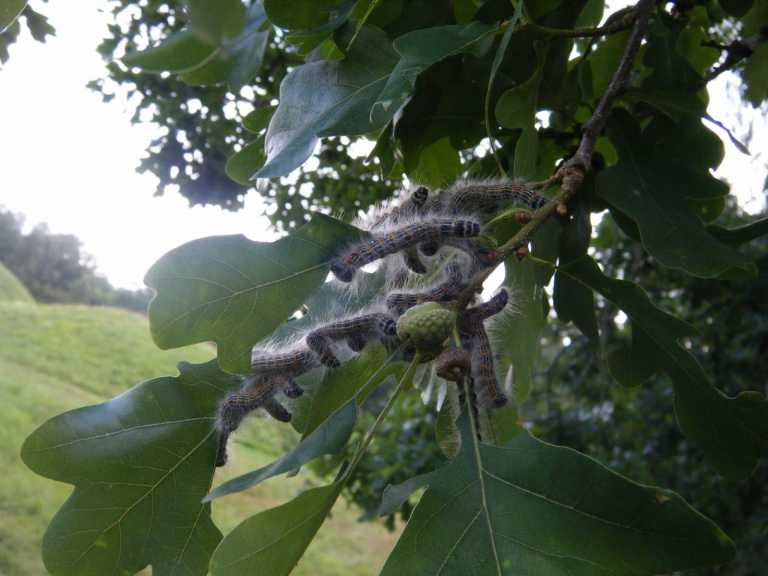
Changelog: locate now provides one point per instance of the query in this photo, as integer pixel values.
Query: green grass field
(11, 290)
(58, 357)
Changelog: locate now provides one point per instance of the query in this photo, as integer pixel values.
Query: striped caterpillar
(471, 197)
(447, 291)
(474, 338)
(410, 208)
(256, 392)
(356, 331)
(398, 239)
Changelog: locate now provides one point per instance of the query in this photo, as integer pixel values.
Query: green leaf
(327, 98)
(9, 11)
(517, 335)
(237, 60)
(754, 77)
(305, 15)
(354, 379)
(234, 291)
(141, 464)
(418, 51)
(395, 495)
(534, 508)
(629, 364)
(740, 235)
(273, 541)
(328, 438)
(180, 52)
(650, 187)
(257, 120)
(357, 95)
(736, 7)
(732, 432)
(447, 433)
(244, 164)
(575, 302)
(216, 20)
(435, 165)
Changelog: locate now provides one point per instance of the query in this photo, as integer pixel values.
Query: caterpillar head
(386, 327)
(343, 271)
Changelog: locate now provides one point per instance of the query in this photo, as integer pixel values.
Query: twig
(737, 50)
(571, 173)
(621, 22)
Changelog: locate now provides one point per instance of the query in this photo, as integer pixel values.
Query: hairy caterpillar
(398, 239)
(257, 392)
(453, 364)
(290, 363)
(356, 331)
(446, 291)
(473, 196)
(474, 338)
(410, 208)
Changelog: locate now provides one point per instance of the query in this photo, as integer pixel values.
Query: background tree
(54, 267)
(600, 119)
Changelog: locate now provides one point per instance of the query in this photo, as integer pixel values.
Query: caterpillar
(398, 239)
(290, 363)
(473, 196)
(356, 331)
(453, 364)
(446, 291)
(257, 392)
(412, 206)
(475, 339)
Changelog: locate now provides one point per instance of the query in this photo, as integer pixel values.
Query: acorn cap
(426, 327)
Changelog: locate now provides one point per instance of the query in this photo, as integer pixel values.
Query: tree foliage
(54, 267)
(573, 118)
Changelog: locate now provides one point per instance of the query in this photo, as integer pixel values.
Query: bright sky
(69, 160)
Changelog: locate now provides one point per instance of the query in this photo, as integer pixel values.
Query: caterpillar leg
(291, 388)
(453, 364)
(321, 346)
(276, 410)
(429, 247)
(235, 407)
(356, 343)
(342, 271)
(413, 262)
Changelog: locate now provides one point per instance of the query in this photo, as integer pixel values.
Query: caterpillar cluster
(426, 221)
(275, 371)
(418, 228)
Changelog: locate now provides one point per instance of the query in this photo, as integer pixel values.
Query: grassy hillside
(55, 358)
(11, 290)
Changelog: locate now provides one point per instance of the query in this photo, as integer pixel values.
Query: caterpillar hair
(447, 291)
(382, 245)
(357, 330)
(468, 196)
(474, 339)
(264, 362)
(256, 392)
(490, 308)
(411, 207)
(489, 394)
(453, 364)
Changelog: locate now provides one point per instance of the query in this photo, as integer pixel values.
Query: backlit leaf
(731, 431)
(234, 291)
(273, 541)
(328, 438)
(534, 508)
(141, 464)
(651, 188)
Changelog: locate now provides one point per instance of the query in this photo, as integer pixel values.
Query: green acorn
(426, 327)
